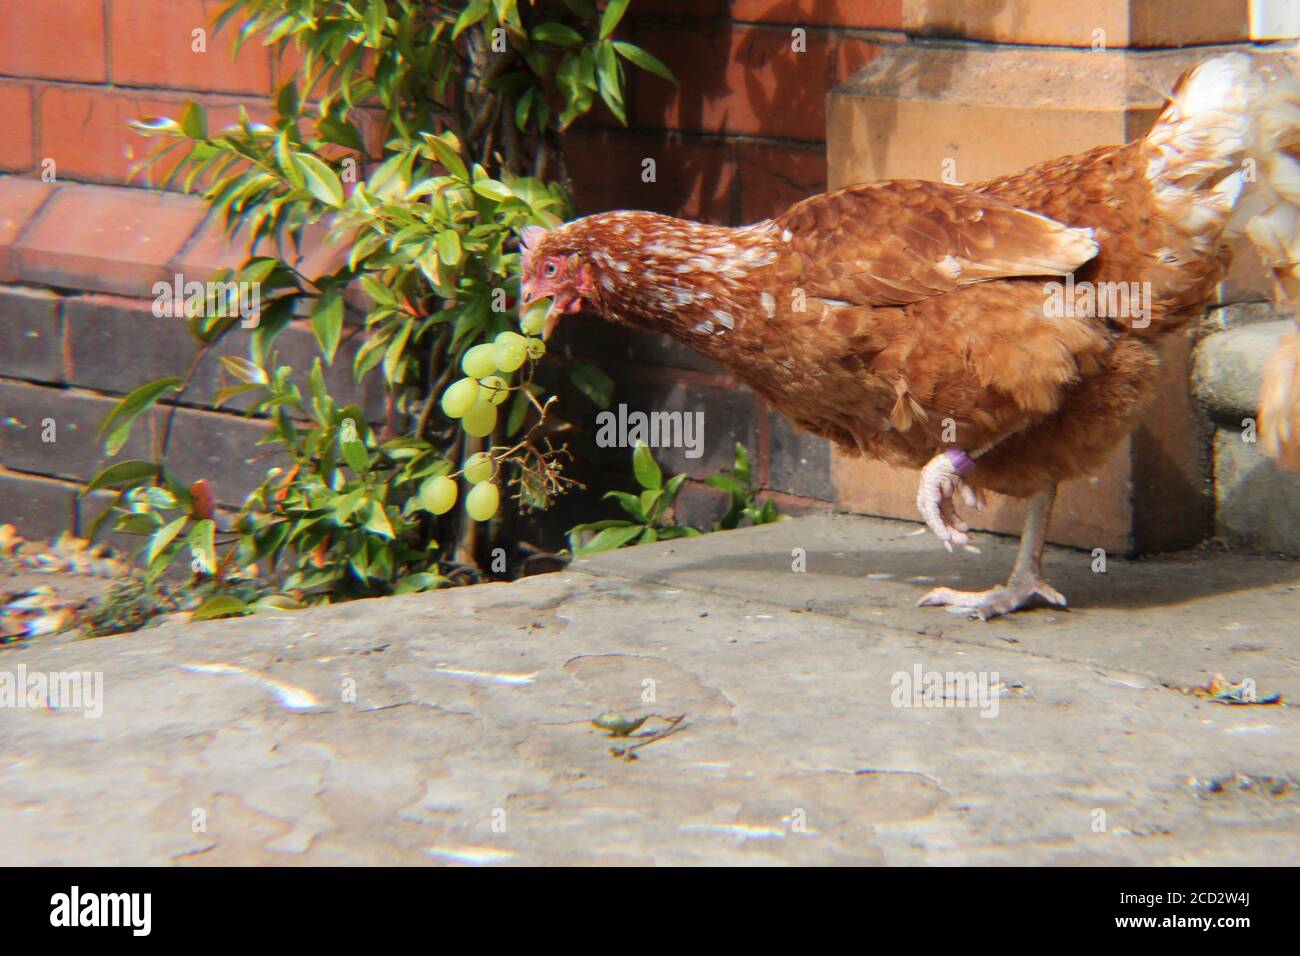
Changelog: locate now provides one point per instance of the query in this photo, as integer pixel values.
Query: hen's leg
(1026, 581)
(940, 480)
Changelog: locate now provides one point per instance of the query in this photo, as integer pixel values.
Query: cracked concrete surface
(454, 727)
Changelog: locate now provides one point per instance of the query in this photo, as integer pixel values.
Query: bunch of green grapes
(474, 401)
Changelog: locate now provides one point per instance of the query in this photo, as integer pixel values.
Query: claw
(1004, 599)
(940, 480)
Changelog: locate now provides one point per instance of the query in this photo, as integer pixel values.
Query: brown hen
(918, 322)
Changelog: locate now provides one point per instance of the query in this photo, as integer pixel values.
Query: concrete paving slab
(455, 727)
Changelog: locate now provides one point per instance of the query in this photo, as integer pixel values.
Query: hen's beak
(558, 309)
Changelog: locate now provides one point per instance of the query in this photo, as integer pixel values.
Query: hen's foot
(995, 602)
(941, 479)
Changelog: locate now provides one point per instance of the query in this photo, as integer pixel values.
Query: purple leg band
(961, 462)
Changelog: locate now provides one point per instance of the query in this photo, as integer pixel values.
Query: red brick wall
(744, 135)
(73, 72)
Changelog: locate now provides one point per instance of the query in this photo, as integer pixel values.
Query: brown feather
(880, 315)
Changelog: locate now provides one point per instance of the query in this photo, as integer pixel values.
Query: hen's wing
(897, 242)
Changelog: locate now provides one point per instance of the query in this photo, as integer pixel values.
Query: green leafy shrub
(423, 137)
(650, 511)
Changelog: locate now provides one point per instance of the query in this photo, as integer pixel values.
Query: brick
(60, 41)
(1235, 316)
(772, 178)
(998, 110)
(153, 45)
(730, 415)
(699, 9)
(692, 179)
(38, 508)
(107, 239)
(76, 453)
(759, 84)
(737, 79)
(1227, 368)
(863, 14)
(699, 505)
(211, 249)
(224, 450)
(16, 121)
(1257, 501)
(286, 64)
(20, 199)
(84, 131)
(798, 463)
(116, 344)
(850, 54)
(1123, 23)
(31, 335)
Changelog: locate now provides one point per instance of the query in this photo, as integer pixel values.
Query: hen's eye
(550, 269)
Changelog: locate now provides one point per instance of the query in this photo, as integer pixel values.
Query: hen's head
(555, 265)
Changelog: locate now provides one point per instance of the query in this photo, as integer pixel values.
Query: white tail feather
(1196, 146)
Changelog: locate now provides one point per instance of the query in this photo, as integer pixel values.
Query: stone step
(1226, 368)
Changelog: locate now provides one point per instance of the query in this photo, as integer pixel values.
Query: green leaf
(341, 132)
(558, 33)
(741, 467)
(593, 383)
(377, 520)
(471, 15)
(354, 453)
(646, 468)
(631, 504)
(611, 80)
(609, 20)
(327, 322)
(376, 15)
(448, 155)
(200, 540)
(449, 250)
(123, 474)
(492, 189)
(322, 182)
(422, 581)
(519, 406)
(117, 427)
(726, 483)
(164, 536)
(650, 499)
(610, 538)
(244, 370)
(194, 122)
(223, 605)
(639, 57)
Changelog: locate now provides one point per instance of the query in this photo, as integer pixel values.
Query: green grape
(478, 467)
(479, 362)
(438, 494)
(510, 351)
(480, 420)
(482, 501)
(460, 396)
(533, 321)
(495, 389)
(536, 348)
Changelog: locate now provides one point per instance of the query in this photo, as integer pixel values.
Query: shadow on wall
(943, 19)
